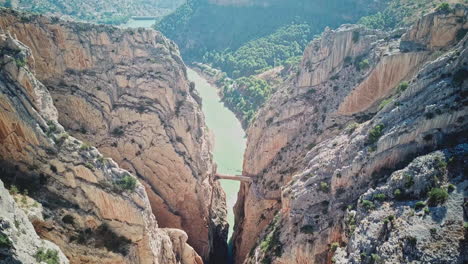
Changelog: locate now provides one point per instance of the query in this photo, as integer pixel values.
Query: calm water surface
(136, 23)
(229, 139)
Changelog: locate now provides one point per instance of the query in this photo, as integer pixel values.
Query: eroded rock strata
(364, 104)
(126, 93)
(74, 196)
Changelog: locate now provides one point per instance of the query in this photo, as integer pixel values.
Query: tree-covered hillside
(242, 39)
(100, 11)
(400, 13)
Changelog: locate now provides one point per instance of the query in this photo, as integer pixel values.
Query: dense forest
(231, 35)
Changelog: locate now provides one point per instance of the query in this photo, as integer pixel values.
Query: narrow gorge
(115, 148)
(126, 93)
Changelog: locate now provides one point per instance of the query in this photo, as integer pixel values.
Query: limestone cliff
(126, 92)
(363, 104)
(75, 197)
(19, 243)
(412, 228)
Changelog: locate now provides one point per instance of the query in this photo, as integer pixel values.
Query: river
(229, 136)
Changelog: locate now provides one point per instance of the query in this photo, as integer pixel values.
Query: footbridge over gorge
(241, 178)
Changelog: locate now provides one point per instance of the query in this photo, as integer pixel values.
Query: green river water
(136, 23)
(229, 136)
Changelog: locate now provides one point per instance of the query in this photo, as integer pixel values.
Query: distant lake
(136, 23)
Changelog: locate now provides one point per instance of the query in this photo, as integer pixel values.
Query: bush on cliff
(437, 196)
(126, 183)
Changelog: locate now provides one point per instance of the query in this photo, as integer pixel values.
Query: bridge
(233, 177)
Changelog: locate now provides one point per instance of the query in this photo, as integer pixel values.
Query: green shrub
(363, 64)
(375, 258)
(51, 128)
(324, 187)
(440, 164)
(419, 205)
(271, 244)
(399, 195)
(20, 62)
(334, 246)
(61, 138)
(379, 197)
(437, 196)
(426, 210)
(443, 7)
(89, 166)
(48, 256)
(368, 205)
(351, 128)
(101, 159)
(126, 183)
(451, 188)
(403, 86)
(389, 219)
(375, 133)
(385, 103)
(13, 190)
(85, 147)
(4, 241)
(409, 181)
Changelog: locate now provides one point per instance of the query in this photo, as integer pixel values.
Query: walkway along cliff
(327, 148)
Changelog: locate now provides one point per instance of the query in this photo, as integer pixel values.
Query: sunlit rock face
(363, 105)
(126, 93)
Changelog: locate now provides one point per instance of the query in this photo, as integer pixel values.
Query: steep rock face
(327, 135)
(21, 243)
(92, 209)
(126, 92)
(414, 227)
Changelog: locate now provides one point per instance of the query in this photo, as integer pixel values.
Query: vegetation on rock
(48, 256)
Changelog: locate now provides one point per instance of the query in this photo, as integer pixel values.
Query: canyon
(126, 93)
(111, 151)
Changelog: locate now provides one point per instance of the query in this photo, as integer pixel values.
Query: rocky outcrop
(93, 210)
(397, 223)
(19, 243)
(361, 107)
(436, 31)
(126, 92)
